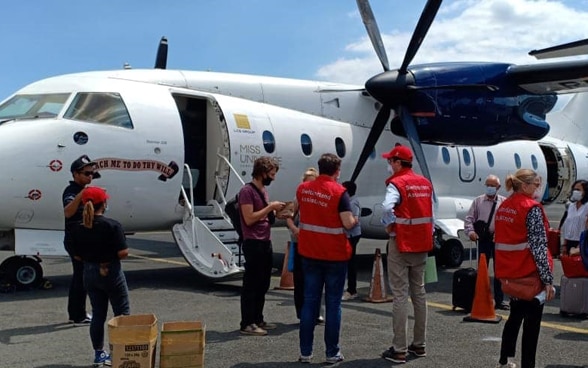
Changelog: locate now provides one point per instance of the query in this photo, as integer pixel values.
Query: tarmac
(34, 331)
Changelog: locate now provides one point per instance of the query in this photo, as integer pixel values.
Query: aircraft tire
(452, 253)
(23, 272)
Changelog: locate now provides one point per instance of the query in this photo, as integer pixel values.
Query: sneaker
(253, 330)
(348, 296)
(418, 351)
(335, 359)
(101, 358)
(320, 321)
(305, 359)
(267, 326)
(84, 322)
(507, 365)
(502, 306)
(394, 356)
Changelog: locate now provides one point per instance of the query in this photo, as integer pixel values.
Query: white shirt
(575, 221)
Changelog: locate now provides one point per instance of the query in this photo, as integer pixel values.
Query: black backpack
(232, 210)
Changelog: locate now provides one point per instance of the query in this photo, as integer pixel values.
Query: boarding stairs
(207, 238)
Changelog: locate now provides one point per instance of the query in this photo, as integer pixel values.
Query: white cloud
(467, 30)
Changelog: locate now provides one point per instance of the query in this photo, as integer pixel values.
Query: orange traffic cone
(287, 279)
(483, 307)
(378, 286)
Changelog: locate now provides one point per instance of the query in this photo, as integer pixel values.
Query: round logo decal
(34, 195)
(55, 165)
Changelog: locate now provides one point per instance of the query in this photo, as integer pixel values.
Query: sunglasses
(86, 173)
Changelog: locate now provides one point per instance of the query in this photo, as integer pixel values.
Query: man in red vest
(408, 216)
(325, 213)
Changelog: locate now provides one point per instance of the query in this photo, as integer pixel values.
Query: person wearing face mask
(576, 216)
(521, 251)
(257, 216)
(479, 226)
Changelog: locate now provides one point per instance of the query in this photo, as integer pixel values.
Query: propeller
(161, 57)
(394, 88)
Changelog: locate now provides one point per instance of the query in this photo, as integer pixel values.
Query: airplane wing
(567, 49)
(543, 78)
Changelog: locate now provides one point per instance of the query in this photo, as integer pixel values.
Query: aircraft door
(467, 163)
(193, 115)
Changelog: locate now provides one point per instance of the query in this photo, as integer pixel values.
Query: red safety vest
(513, 255)
(414, 213)
(322, 235)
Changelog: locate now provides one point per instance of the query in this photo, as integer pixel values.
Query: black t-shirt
(101, 243)
(69, 194)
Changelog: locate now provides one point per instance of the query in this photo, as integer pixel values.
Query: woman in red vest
(521, 251)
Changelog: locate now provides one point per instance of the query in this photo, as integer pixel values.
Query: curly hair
(264, 165)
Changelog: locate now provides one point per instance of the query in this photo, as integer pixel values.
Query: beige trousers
(406, 272)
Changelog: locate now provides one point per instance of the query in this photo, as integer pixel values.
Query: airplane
(172, 146)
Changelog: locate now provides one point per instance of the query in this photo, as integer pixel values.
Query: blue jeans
(101, 289)
(318, 274)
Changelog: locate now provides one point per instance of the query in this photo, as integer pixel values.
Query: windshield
(33, 106)
(99, 107)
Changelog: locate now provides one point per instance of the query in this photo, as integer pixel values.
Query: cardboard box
(182, 345)
(133, 341)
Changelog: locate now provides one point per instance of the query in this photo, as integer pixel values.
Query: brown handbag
(524, 288)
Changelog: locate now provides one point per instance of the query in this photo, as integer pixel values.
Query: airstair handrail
(226, 160)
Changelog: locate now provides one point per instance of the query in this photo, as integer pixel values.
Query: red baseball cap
(402, 152)
(95, 195)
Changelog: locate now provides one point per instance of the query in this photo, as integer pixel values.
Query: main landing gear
(23, 272)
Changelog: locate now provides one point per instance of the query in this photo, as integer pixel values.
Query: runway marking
(555, 326)
(162, 260)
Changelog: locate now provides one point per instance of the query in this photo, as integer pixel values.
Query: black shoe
(502, 306)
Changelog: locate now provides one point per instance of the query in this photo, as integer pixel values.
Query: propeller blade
(427, 17)
(372, 139)
(415, 143)
(367, 16)
(161, 58)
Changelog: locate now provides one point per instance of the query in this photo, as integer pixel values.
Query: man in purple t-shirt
(257, 216)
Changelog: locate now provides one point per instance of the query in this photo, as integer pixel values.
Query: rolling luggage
(464, 287)
(573, 296)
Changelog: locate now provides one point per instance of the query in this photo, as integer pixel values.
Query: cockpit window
(104, 108)
(33, 106)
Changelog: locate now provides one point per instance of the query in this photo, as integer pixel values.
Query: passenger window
(490, 158)
(534, 162)
(269, 142)
(306, 144)
(340, 147)
(103, 108)
(445, 155)
(517, 159)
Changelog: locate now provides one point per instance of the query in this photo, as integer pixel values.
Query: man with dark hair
(325, 213)
(83, 171)
(257, 216)
(408, 216)
(354, 234)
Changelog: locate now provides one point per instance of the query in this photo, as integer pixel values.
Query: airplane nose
(32, 173)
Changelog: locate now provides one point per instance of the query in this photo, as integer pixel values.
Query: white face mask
(390, 169)
(576, 196)
(491, 191)
(538, 195)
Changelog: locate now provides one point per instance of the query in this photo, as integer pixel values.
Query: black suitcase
(464, 287)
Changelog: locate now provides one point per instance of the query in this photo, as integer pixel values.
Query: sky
(304, 39)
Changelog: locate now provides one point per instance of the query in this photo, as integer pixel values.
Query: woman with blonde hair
(521, 253)
(292, 222)
(100, 244)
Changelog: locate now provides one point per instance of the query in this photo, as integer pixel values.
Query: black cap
(82, 162)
